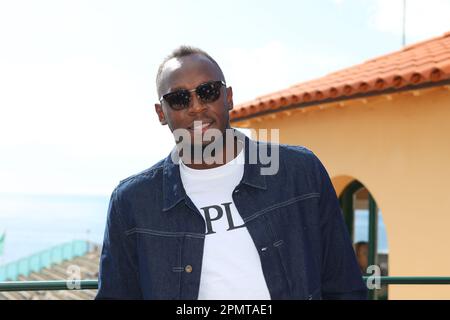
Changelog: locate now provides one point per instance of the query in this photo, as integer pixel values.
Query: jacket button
(188, 268)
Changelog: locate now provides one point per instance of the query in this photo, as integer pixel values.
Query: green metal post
(347, 209)
(347, 205)
(373, 228)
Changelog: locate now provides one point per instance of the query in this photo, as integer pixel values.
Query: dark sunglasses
(206, 92)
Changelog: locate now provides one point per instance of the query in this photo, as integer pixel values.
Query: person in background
(362, 255)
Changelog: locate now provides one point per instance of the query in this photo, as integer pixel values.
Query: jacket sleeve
(118, 275)
(340, 273)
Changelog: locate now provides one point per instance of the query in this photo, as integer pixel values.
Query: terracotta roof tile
(424, 62)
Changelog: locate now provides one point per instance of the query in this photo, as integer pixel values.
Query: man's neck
(223, 155)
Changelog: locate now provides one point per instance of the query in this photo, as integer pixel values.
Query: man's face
(187, 73)
(362, 255)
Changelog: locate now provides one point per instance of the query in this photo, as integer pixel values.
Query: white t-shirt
(231, 267)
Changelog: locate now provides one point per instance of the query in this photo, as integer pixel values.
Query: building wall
(398, 146)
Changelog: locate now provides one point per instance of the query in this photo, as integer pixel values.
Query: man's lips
(201, 125)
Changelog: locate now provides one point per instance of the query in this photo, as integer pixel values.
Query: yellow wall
(398, 146)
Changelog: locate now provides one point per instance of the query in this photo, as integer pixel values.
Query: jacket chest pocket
(165, 260)
(288, 236)
(303, 207)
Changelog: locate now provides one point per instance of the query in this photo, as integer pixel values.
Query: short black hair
(359, 244)
(183, 51)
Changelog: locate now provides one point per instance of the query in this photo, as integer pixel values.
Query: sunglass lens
(178, 100)
(209, 92)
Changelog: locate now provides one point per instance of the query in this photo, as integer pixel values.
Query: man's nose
(196, 105)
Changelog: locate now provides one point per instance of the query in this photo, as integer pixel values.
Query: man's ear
(160, 113)
(230, 98)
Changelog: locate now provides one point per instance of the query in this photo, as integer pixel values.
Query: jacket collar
(174, 192)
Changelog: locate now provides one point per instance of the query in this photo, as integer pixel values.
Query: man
(208, 222)
(362, 255)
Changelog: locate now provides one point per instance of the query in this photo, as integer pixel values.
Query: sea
(38, 222)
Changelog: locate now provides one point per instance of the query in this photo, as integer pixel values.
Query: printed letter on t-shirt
(208, 217)
(219, 210)
(229, 217)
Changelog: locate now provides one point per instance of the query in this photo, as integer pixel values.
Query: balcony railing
(43, 259)
(93, 284)
(48, 285)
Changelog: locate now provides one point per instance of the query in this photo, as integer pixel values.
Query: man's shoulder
(292, 154)
(293, 150)
(285, 149)
(145, 177)
(288, 156)
(298, 161)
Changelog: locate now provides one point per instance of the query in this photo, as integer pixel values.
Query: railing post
(347, 208)
(373, 227)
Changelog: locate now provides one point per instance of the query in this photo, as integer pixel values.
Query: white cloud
(424, 19)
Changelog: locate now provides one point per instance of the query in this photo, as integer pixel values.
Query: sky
(77, 78)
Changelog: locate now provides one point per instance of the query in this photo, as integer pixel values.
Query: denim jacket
(154, 237)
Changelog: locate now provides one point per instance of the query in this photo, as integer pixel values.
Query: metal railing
(93, 284)
(43, 259)
(48, 285)
(410, 280)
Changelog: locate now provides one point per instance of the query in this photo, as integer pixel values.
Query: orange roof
(419, 64)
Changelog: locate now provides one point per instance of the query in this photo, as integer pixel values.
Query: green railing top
(410, 280)
(48, 285)
(93, 284)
